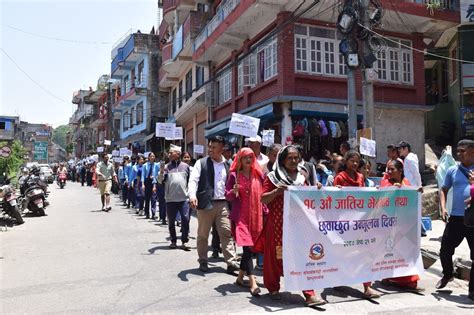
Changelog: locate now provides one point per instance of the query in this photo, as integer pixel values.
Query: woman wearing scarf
(350, 177)
(244, 189)
(397, 178)
(286, 172)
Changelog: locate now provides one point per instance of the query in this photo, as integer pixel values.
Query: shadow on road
(288, 301)
(351, 294)
(447, 296)
(183, 275)
(6, 222)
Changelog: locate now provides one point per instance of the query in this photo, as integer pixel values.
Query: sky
(60, 47)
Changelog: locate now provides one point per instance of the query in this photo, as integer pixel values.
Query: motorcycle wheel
(41, 212)
(16, 214)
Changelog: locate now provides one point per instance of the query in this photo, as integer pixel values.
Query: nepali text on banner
(334, 237)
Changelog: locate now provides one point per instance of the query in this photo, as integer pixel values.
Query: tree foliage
(11, 165)
(60, 135)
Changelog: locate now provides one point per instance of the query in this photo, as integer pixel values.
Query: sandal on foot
(314, 301)
(241, 283)
(255, 292)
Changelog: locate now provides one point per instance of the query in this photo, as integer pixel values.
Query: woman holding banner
(396, 178)
(243, 190)
(286, 172)
(350, 177)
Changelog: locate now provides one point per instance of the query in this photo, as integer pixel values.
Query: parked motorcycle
(10, 203)
(62, 180)
(35, 193)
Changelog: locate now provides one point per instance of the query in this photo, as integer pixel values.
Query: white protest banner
(367, 147)
(177, 134)
(334, 237)
(107, 142)
(115, 153)
(100, 149)
(199, 149)
(123, 151)
(268, 138)
(95, 158)
(244, 125)
(118, 159)
(165, 130)
(129, 153)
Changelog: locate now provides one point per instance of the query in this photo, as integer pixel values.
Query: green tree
(11, 165)
(60, 135)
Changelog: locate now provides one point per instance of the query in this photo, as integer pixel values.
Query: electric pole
(352, 103)
(367, 85)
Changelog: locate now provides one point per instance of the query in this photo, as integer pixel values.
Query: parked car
(47, 172)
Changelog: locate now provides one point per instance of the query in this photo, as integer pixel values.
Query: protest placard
(244, 125)
(177, 134)
(117, 159)
(107, 142)
(115, 153)
(335, 237)
(146, 154)
(199, 149)
(165, 130)
(268, 138)
(123, 151)
(100, 149)
(367, 147)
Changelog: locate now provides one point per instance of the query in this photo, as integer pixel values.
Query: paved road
(79, 259)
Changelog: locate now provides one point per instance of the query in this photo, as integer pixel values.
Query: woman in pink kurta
(244, 189)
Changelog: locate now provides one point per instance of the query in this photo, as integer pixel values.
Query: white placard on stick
(165, 130)
(244, 125)
(367, 147)
(107, 142)
(123, 151)
(117, 159)
(115, 153)
(177, 134)
(268, 138)
(100, 149)
(199, 149)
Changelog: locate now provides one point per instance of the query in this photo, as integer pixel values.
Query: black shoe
(128, 206)
(232, 268)
(471, 295)
(215, 254)
(173, 246)
(147, 216)
(423, 234)
(163, 222)
(185, 247)
(443, 282)
(153, 217)
(203, 266)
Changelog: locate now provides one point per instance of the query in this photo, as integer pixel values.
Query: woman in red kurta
(396, 178)
(352, 178)
(244, 189)
(286, 173)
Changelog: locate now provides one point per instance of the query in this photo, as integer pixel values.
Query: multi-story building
(279, 61)
(450, 81)
(135, 95)
(36, 139)
(82, 135)
(8, 127)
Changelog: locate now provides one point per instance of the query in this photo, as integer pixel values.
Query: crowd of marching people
(240, 197)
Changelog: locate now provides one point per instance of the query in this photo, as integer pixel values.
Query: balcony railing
(140, 82)
(439, 4)
(222, 13)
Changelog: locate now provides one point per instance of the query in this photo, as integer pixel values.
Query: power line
(32, 80)
(414, 49)
(56, 38)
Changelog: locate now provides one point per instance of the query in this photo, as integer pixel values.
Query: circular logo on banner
(316, 251)
(389, 244)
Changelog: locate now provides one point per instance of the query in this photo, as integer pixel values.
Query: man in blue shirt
(149, 180)
(457, 178)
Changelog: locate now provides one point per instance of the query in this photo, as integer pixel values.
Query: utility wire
(414, 49)
(32, 80)
(56, 38)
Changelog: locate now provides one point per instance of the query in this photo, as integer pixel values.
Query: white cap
(254, 139)
(175, 148)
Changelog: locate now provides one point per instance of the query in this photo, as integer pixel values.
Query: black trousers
(246, 262)
(454, 233)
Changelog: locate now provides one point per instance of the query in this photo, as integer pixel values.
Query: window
(180, 94)
(3, 125)
(173, 101)
(199, 76)
(140, 78)
(270, 60)
(316, 51)
(133, 115)
(395, 63)
(189, 84)
(247, 74)
(126, 121)
(140, 113)
(225, 86)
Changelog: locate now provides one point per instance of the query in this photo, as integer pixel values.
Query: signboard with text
(244, 125)
(334, 237)
(40, 150)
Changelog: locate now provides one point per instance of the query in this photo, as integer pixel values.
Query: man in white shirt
(411, 168)
(207, 195)
(255, 143)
